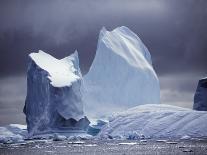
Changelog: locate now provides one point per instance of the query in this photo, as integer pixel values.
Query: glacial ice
(121, 75)
(13, 133)
(200, 98)
(156, 121)
(53, 101)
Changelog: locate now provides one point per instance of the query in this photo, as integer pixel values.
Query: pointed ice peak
(102, 33)
(123, 28)
(61, 72)
(126, 31)
(42, 52)
(75, 60)
(125, 43)
(118, 29)
(103, 30)
(74, 57)
(76, 53)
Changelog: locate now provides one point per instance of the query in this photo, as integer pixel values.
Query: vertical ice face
(53, 99)
(121, 75)
(200, 98)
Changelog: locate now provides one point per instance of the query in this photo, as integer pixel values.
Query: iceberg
(156, 121)
(53, 102)
(121, 75)
(200, 97)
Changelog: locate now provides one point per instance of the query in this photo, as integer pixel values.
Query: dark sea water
(108, 147)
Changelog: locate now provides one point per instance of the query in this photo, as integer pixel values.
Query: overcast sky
(174, 32)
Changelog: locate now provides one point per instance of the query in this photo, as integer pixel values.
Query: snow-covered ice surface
(200, 98)
(17, 133)
(54, 101)
(156, 121)
(61, 72)
(121, 75)
(13, 133)
(161, 122)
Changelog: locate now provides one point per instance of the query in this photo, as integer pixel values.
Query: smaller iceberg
(200, 98)
(156, 121)
(53, 102)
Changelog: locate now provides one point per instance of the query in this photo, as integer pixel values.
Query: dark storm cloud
(174, 32)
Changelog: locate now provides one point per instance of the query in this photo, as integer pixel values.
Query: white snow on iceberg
(61, 72)
(121, 75)
(156, 121)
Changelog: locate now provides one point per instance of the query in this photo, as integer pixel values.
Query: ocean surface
(108, 147)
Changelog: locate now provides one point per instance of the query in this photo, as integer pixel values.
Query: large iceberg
(121, 75)
(156, 121)
(53, 101)
(200, 98)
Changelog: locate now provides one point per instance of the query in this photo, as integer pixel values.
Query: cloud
(12, 97)
(176, 39)
(179, 89)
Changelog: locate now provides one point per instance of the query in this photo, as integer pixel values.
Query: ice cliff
(53, 101)
(121, 75)
(200, 98)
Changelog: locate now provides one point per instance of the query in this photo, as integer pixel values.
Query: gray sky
(174, 32)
